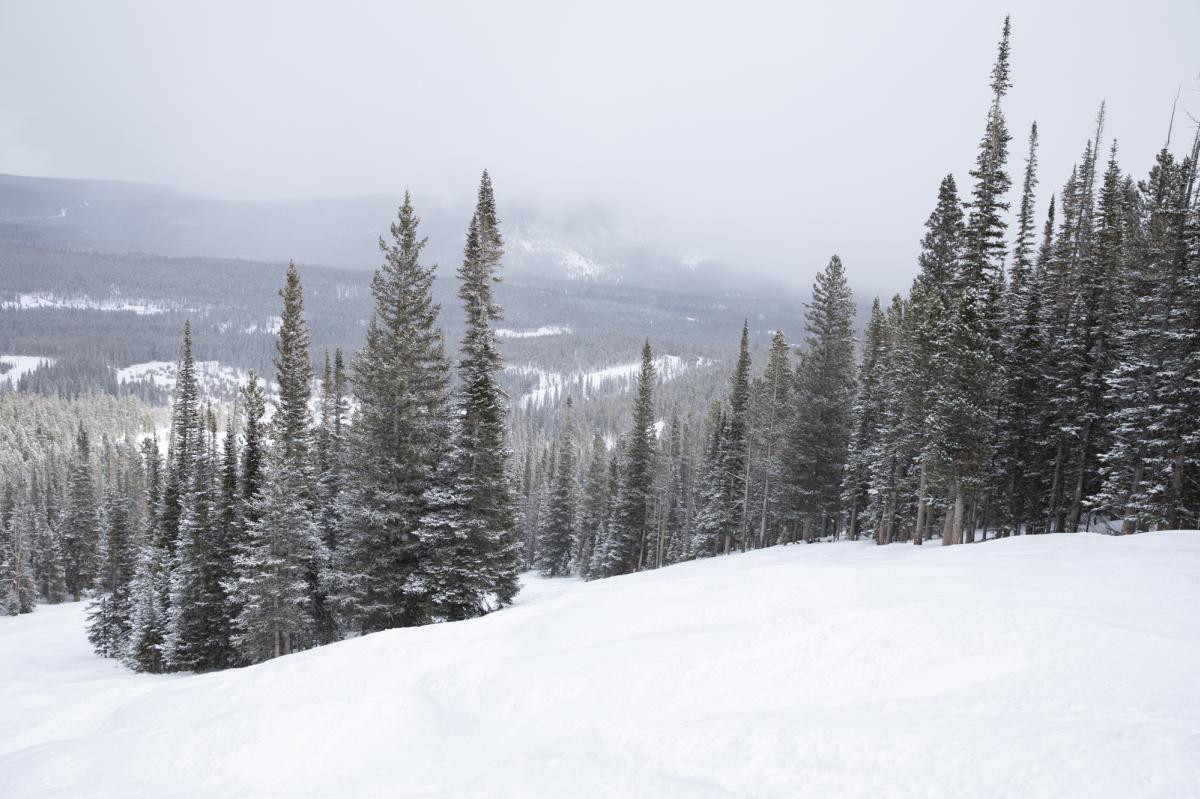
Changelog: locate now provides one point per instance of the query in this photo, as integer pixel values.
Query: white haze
(767, 135)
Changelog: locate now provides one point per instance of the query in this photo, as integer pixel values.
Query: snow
(20, 365)
(115, 303)
(215, 380)
(552, 385)
(540, 332)
(1049, 666)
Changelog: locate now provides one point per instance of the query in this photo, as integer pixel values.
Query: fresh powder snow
(1051, 666)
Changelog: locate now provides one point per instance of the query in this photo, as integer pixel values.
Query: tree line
(1047, 385)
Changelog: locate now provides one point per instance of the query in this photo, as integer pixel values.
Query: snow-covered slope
(1059, 666)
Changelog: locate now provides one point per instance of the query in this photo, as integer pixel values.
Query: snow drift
(1044, 666)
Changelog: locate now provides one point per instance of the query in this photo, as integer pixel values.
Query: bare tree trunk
(745, 529)
(922, 488)
(1051, 518)
(762, 526)
(970, 536)
(959, 508)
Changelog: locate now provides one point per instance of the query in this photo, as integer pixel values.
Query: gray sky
(767, 134)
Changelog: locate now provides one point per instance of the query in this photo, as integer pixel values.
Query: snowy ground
(1058, 666)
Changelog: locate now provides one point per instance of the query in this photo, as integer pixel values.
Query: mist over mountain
(580, 245)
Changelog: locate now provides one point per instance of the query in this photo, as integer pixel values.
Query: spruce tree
(473, 555)
(629, 528)
(594, 505)
(560, 533)
(81, 522)
(110, 614)
(399, 430)
(820, 435)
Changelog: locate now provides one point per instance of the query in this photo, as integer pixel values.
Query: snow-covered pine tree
(712, 509)
(820, 435)
(80, 524)
(735, 456)
(18, 519)
(868, 420)
(773, 393)
(331, 482)
(148, 593)
(198, 637)
(629, 527)
(399, 377)
(186, 426)
(559, 532)
(1020, 402)
(110, 614)
(474, 556)
(593, 506)
(281, 558)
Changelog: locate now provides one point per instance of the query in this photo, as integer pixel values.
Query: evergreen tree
(473, 554)
(560, 532)
(820, 436)
(150, 588)
(110, 614)
(868, 421)
(281, 559)
(400, 379)
(594, 505)
(735, 457)
(773, 401)
(627, 550)
(81, 522)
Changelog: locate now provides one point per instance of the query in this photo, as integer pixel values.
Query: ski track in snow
(1047, 666)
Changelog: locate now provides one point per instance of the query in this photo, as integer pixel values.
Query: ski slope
(1054, 666)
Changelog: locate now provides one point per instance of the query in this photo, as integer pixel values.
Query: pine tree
(713, 511)
(735, 457)
(594, 505)
(629, 528)
(560, 531)
(468, 530)
(148, 594)
(81, 523)
(399, 429)
(773, 393)
(186, 427)
(110, 614)
(868, 421)
(820, 436)
(18, 589)
(281, 559)
(331, 486)
(1020, 403)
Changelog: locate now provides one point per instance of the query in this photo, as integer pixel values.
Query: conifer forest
(448, 438)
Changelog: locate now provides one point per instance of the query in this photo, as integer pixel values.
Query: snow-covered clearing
(553, 387)
(216, 381)
(537, 332)
(1054, 666)
(19, 365)
(115, 303)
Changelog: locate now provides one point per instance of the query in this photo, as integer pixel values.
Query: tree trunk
(921, 507)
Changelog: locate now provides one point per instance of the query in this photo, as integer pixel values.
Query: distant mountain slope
(835, 670)
(118, 217)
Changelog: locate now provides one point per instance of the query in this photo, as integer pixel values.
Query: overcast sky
(767, 134)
